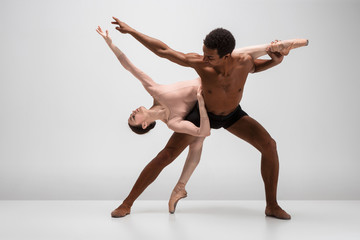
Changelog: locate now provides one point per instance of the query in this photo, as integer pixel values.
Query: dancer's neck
(158, 112)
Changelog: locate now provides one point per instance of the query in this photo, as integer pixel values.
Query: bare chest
(223, 93)
(232, 84)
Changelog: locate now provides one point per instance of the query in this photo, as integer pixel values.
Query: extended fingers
(99, 30)
(117, 21)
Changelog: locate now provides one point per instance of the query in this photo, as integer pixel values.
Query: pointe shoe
(177, 194)
(285, 46)
(277, 212)
(121, 211)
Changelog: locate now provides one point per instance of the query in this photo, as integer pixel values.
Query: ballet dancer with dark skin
(223, 74)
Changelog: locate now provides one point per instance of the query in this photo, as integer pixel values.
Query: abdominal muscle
(220, 101)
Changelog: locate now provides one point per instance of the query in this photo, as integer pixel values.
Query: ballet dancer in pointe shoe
(223, 74)
(171, 104)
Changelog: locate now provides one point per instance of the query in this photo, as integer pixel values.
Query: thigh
(250, 131)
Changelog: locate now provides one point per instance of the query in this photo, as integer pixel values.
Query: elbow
(204, 134)
(162, 51)
(253, 69)
(207, 133)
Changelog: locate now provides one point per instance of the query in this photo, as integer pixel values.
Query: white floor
(192, 220)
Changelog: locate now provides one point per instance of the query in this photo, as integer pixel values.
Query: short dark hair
(220, 39)
(139, 130)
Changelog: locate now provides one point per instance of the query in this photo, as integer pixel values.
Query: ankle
(272, 205)
(126, 204)
(179, 187)
(181, 184)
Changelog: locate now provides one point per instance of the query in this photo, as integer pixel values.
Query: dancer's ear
(144, 125)
(227, 56)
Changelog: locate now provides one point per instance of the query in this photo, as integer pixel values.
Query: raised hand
(275, 56)
(105, 35)
(199, 95)
(275, 51)
(122, 27)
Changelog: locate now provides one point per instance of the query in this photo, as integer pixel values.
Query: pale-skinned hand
(199, 95)
(105, 35)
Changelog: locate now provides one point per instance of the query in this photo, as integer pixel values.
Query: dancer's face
(212, 57)
(138, 116)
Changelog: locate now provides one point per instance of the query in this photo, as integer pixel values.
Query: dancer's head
(218, 45)
(139, 121)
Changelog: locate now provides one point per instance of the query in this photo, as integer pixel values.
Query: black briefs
(216, 121)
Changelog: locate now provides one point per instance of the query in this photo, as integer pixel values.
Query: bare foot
(277, 212)
(121, 211)
(178, 193)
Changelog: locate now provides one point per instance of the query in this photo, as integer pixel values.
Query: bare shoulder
(196, 61)
(172, 122)
(244, 59)
(194, 58)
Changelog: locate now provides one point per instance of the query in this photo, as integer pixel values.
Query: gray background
(65, 99)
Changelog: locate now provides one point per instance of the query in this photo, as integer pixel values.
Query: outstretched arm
(262, 65)
(155, 45)
(146, 81)
(184, 126)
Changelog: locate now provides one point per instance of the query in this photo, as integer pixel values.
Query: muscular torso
(223, 92)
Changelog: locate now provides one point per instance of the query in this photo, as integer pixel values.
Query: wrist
(275, 62)
(132, 31)
(278, 61)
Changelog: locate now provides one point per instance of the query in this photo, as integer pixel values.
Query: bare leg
(192, 160)
(251, 131)
(283, 47)
(176, 144)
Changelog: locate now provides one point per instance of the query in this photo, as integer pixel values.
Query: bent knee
(164, 154)
(165, 157)
(269, 145)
